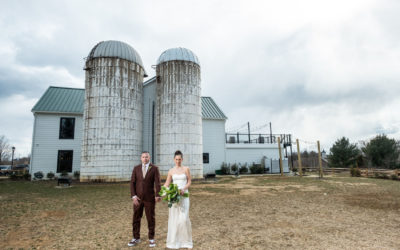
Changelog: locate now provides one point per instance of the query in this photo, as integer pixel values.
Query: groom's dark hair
(178, 152)
(145, 152)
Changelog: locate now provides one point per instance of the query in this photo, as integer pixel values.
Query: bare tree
(23, 160)
(4, 149)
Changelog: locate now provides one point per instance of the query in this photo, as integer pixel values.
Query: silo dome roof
(178, 54)
(115, 49)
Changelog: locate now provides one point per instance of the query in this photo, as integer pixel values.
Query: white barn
(58, 123)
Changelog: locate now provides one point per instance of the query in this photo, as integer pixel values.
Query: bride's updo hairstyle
(178, 152)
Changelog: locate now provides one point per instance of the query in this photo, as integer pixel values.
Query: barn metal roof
(178, 54)
(210, 110)
(115, 49)
(71, 100)
(61, 100)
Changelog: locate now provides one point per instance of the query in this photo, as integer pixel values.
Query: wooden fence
(365, 172)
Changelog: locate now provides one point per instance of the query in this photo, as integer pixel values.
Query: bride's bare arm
(169, 178)
(189, 179)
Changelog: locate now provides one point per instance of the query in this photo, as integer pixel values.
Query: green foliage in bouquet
(171, 194)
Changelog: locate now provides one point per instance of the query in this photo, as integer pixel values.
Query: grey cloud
(266, 62)
(13, 82)
(387, 130)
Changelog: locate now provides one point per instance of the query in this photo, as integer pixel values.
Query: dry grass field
(264, 212)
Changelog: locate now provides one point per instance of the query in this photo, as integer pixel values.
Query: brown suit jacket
(144, 188)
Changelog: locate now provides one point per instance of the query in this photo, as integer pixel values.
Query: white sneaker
(133, 242)
(152, 243)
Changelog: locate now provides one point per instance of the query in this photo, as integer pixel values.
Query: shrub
(14, 176)
(64, 173)
(256, 169)
(77, 174)
(355, 172)
(224, 169)
(50, 175)
(38, 175)
(385, 176)
(234, 168)
(243, 169)
(394, 177)
(27, 176)
(98, 180)
(294, 169)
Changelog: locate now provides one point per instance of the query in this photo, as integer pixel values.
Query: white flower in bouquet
(171, 194)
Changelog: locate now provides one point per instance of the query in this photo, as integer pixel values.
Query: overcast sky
(317, 69)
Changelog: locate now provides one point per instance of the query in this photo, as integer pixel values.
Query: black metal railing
(231, 138)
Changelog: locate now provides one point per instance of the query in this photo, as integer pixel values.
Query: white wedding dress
(179, 226)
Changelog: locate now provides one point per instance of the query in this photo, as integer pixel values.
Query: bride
(179, 226)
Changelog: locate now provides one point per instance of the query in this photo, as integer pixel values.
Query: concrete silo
(178, 113)
(112, 131)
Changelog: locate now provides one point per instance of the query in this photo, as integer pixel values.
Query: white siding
(214, 144)
(46, 143)
(149, 97)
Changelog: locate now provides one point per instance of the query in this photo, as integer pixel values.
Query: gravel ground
(263, 212)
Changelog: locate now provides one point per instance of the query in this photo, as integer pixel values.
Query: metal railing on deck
(286, 139)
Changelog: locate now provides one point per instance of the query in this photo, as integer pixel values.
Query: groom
(145, 178)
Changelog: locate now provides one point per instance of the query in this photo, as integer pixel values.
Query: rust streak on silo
(112, 138)
(178, 113)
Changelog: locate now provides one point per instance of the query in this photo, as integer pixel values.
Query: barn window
(64, 162)
(67, 128)
(206, 158)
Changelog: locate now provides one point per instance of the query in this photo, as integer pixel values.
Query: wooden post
(270, 133)
(358, 170)
(299, 158)
(280, 156)
(248, 126)
(321, 174)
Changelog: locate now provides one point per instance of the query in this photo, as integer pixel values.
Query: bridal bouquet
(171, 194)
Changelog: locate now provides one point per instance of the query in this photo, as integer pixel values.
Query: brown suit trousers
(146, 189)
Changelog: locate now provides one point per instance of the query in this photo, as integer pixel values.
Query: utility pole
(291, 152)
(270, 132)
(280, 156)
(299, 158)
(285, 144)
(12, 157)
(321, 173)
(248, 126)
